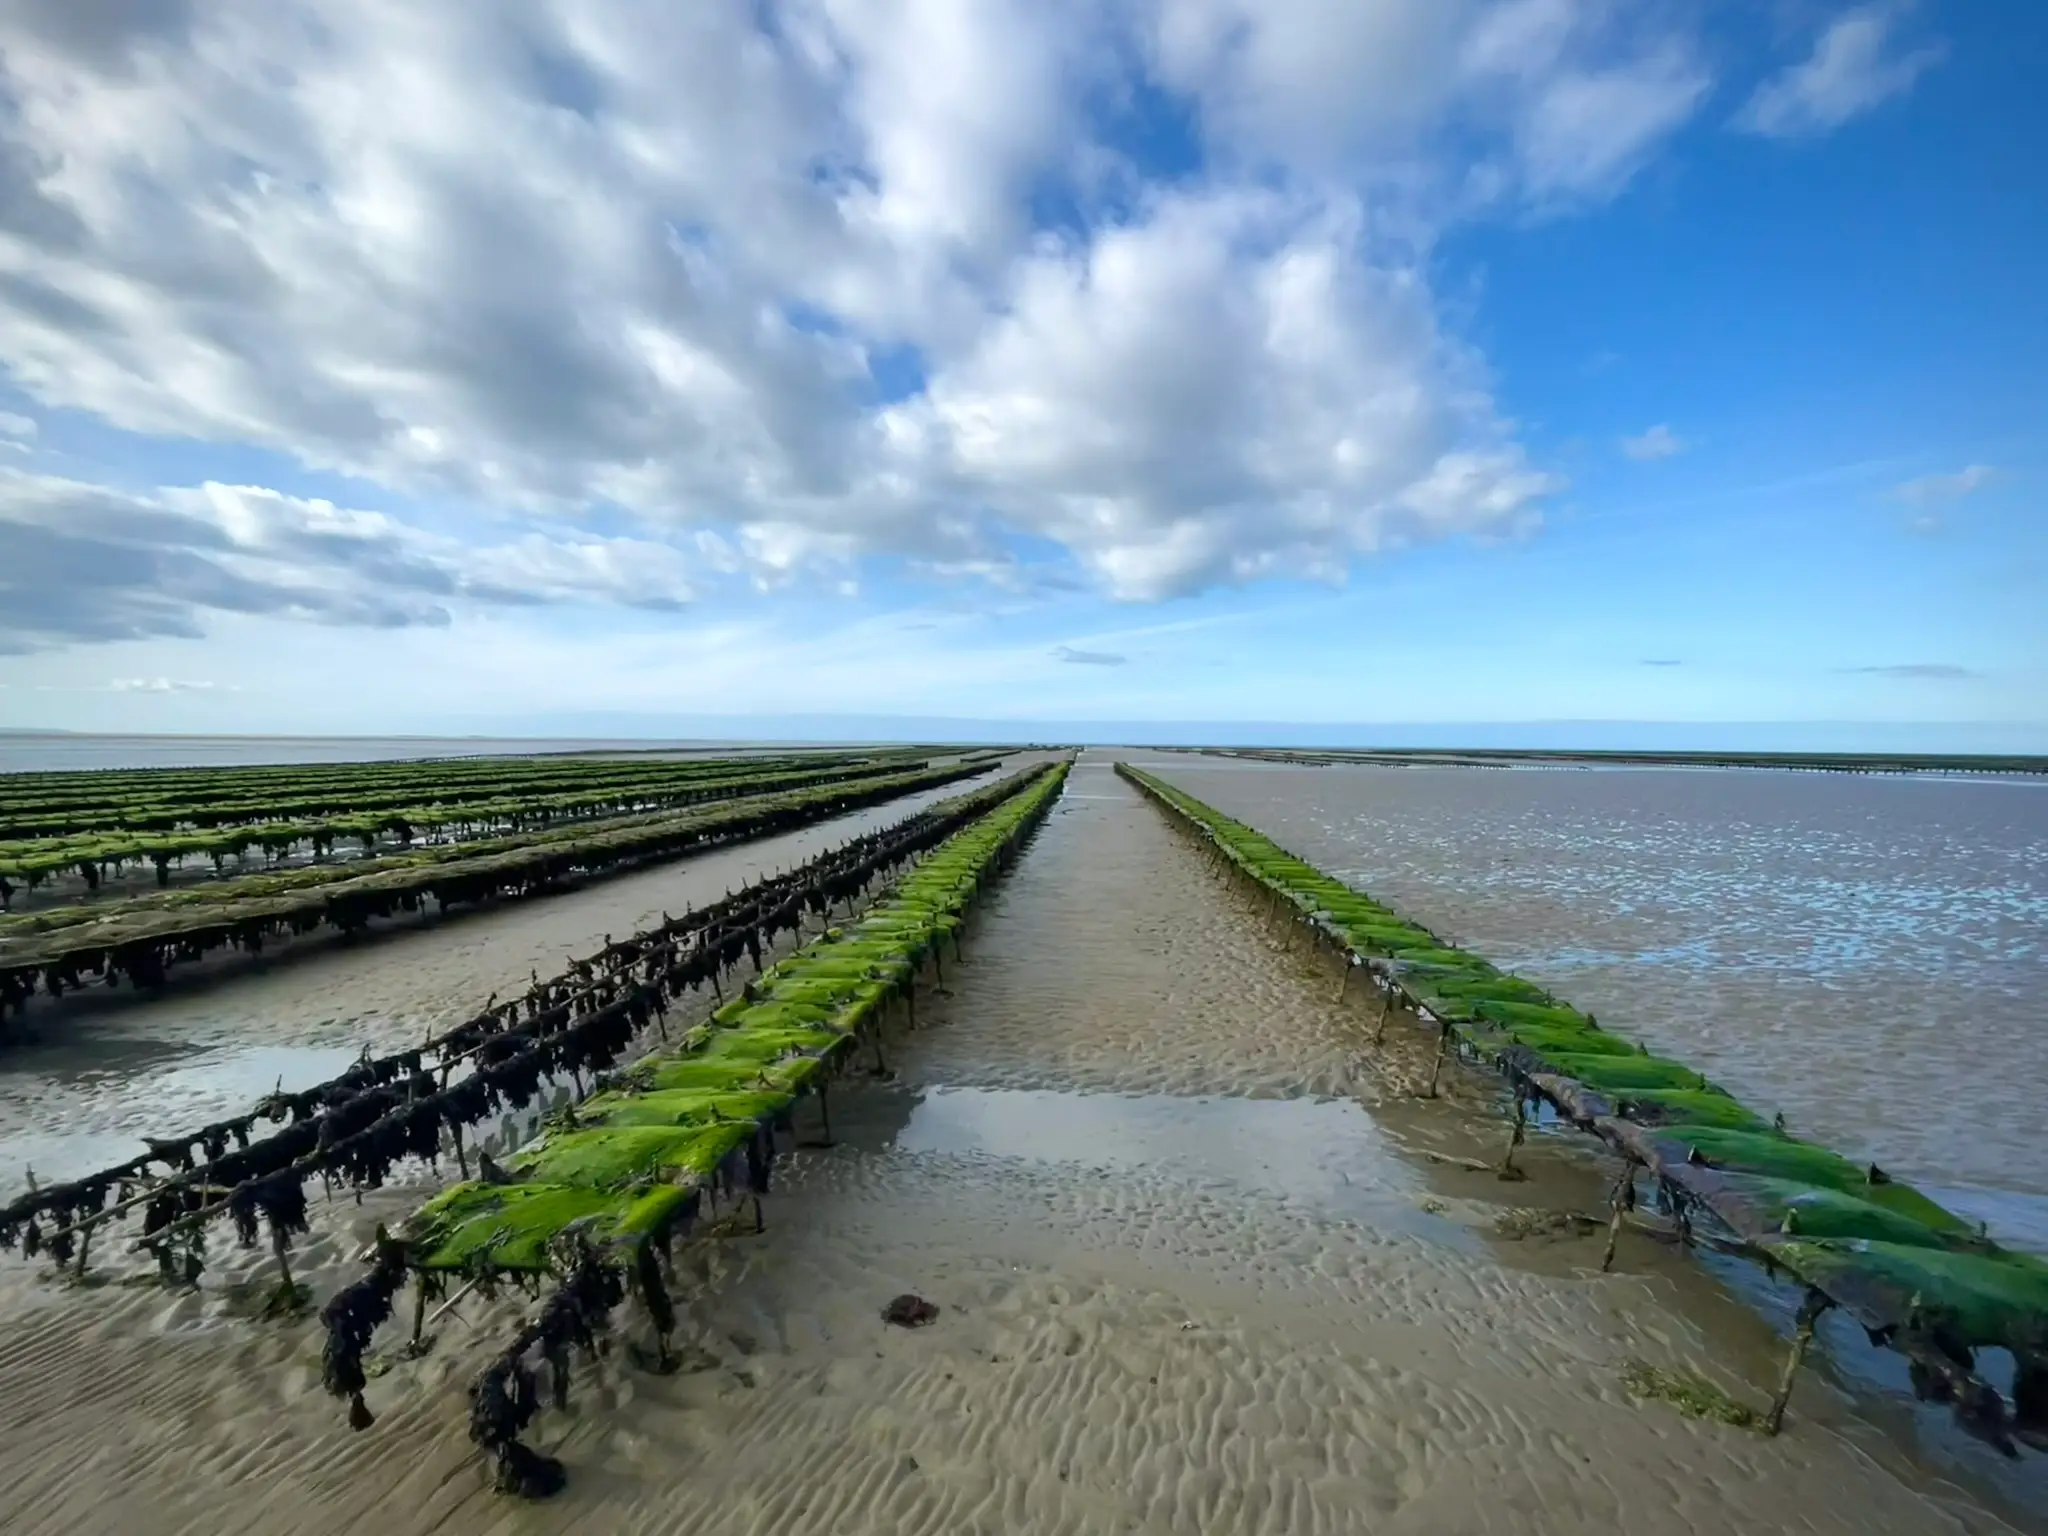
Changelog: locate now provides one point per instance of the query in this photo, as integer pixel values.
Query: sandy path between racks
(1177, 1296)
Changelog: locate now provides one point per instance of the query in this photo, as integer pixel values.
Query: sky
(571, 366)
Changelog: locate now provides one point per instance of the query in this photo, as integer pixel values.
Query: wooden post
(1507, 1164)
(1443, 1048)
(1624, 1188)
(418, 1344)
(1802, 1336)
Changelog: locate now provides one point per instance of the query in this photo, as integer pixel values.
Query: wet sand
(1198, 1272)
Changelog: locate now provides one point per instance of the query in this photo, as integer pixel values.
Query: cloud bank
(789, 286)
(81, 563)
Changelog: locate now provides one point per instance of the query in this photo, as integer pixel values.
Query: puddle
(119, 1105)
(1325, 1154)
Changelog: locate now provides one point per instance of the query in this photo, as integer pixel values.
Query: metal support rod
(449, 1305)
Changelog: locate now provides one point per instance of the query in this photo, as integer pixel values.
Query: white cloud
(12, 425)
(1852, 69)
(81, 562)
(159, 685)
(656, 260)
(1553, 98)
(1313, 412)
(1932, 489)
(1660, 442)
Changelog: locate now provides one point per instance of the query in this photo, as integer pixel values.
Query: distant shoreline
(31, 750)
(1505, 757)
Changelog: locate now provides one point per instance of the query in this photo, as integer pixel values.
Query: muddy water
(1868, 955)
(110, 1074)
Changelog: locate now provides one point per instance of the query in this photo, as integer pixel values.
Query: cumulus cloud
(1548, 98)
(1079, 658)
(771, 277)
(1931, 490)
(1854, 67)
(1660, 442)
(1220, 390)
(12, 425)
(82, 562)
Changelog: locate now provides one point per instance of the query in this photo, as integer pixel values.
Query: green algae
(1994, 1299)
(1621, 1073)
(1547, 1015)
(1691, 1106)
(510, 1226)
(1785, 1157)
(1575, 1043)
(681, 1106)
(1694, 1396)
(1810, 1211)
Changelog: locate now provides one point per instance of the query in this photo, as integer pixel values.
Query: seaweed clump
(1693, 1396)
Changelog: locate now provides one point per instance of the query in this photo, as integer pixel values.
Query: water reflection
(130, 1091)
(1328, 1155)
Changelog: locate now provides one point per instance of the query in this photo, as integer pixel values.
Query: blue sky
(1383, 363)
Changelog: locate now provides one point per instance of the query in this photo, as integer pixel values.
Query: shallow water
(1867, 954)
(1328, 1154)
